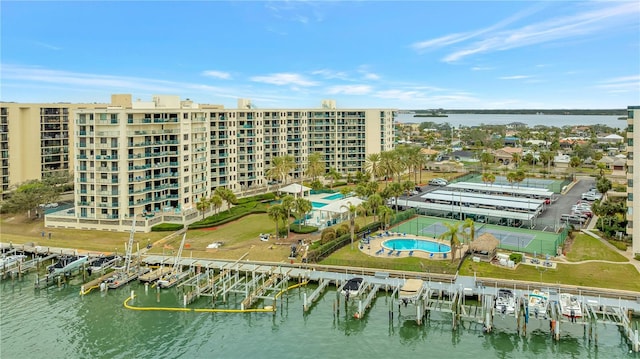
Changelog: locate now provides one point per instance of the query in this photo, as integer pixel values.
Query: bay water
(464, 119)
(59, 323)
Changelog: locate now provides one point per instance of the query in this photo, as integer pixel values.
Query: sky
(294, 54)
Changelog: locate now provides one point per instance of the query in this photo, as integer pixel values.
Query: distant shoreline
(444, 112)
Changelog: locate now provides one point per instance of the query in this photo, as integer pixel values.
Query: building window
(630, 197)
(630, 114)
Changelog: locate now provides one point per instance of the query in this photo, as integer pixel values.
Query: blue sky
(405, 55)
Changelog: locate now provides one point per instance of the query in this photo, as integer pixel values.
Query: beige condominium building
(633, 176)
(155, 160)
(35, 141)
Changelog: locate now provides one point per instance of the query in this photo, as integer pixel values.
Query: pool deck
(375, 245)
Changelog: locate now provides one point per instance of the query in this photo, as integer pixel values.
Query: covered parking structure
(478, 214)
(525, 192)
(484, 201)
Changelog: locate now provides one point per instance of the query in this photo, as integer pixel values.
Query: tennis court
(514, 239)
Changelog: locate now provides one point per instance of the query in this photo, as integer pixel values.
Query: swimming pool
(333, 196)
(317, 204)
(413, 244)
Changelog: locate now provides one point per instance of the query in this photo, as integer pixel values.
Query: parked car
(573, 218)
(437, 182)
(591, 196)
(418, 189)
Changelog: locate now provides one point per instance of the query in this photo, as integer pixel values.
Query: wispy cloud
(559, 28)
(515, 77)
(48, 46)
(452, 39)
(331, 74)
(217, 74)
(38, 76)
(621, 84)
(349, 90)
(284, 78)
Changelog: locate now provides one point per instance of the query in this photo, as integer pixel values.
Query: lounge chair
(390, 252)
(431, 255)
(410, 253)
(398, 254)
(380, 251)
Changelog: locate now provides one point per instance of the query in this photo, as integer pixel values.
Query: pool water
(317, 204)
(412, 244)
(333, 196)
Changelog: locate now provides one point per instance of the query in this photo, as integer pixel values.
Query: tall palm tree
(375, 201)
(202, 206)
(227, 195)
(384, 214)
(277, 214)
(396, 191)
(216, 202)
(333, 175)
(372, 165)
(388, 165)
(301, 207)
(315, 166)
(351, 211)
(452, 235)
(287, 204)
(281, 167)
(471, 225)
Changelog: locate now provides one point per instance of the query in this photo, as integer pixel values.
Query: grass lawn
(356, 258)
(601, 275)
(19, 230)
(239, 237)
(585, 247)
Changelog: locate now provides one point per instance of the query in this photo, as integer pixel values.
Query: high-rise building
(157, 159)
(35, 141)
(633, 175)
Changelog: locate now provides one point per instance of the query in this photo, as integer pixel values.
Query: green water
(58, 323)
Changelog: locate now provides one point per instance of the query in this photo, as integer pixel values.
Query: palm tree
(375, 201)
(388, 165)
(364, 209)
(520, 176)
(385, 214)
(511, 177)
(202, 206)
(315, 166)
(486, 158)
(395, 190)
(227, 195)
(216, 202)
(287, 204)
(281, 167)
(345, 191)
(277, 214)
(471, 225)
(452, 235)
(351, 210)
(372, 165)
(301, 207)
(333, 175)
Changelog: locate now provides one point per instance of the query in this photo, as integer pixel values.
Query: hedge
(303, 229)
(167, 227)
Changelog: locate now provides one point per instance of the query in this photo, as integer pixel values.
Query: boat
(11, 260)
(102, 262)
(570, 306)
(66, 264)
(538, 301)
(176, 274)
(352, 288)
(410, 293)
(505, 302)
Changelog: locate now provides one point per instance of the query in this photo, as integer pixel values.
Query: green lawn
(356, 258)
(600, 275)
(585, 247)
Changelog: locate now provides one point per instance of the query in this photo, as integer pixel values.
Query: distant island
(444, 113)
(430, 115)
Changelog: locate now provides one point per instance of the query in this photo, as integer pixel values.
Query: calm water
(416, 244)
(58, 323)
(530, 120)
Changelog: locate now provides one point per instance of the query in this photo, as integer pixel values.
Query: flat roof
(529, 204)
(501, 188)
(525, 216)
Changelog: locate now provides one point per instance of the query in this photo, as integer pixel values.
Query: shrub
(328, 234)
(342, 229)
(515, 257)
(303, 229)
(618, 244)
(167, 227)
(637, 257)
